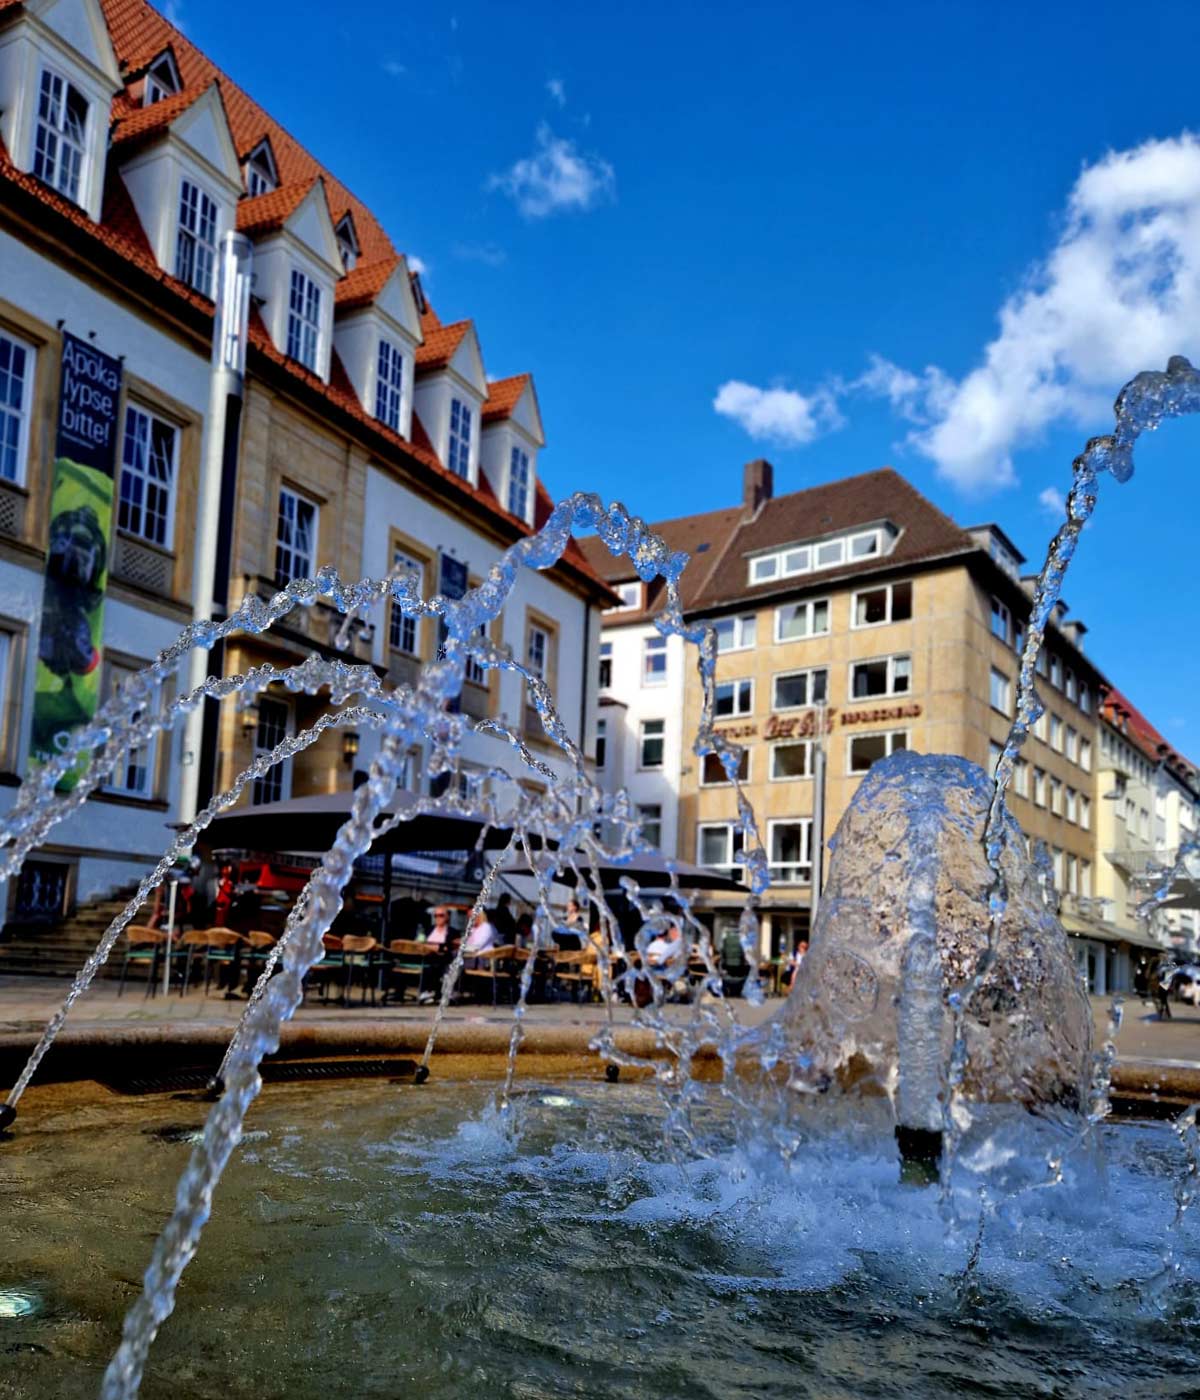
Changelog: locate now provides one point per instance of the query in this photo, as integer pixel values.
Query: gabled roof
(142, 124)
(503, 397)
(1116, 707)
(267, 213)
(441, 343)
(361, 286)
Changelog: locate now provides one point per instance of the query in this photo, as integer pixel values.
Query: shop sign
(881, 714)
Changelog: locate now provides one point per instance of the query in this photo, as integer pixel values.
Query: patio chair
(143, 946)
(330, 966)
(408, 960)
(359, 955)
(570, 977)
(220, 948)
(489, 970)
(259, 947)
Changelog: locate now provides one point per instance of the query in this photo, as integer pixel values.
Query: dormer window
(60, 139)
(261, 175)
(850, 548)
(518, 483)
(196, 244)
(460, 439)
(304, 319)
(162, 80)
(389, 385)
(347, 241)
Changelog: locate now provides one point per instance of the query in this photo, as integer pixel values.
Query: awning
(1104, 932)
(651, 872)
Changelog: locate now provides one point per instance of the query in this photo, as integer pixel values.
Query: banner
(67, 686)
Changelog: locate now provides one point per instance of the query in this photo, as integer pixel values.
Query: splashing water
(572, 827)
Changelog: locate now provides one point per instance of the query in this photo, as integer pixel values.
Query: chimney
(758, 484)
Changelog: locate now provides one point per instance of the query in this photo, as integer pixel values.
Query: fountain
(938, 1001)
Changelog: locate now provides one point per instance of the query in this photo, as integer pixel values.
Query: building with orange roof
(369, 433)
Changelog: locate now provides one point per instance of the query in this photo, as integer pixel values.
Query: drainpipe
(215, 507)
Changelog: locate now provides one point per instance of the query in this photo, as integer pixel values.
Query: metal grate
(12, 511)
(142, 565)
(283, 1072)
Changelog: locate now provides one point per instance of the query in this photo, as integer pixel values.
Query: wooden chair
(259, 946)
(331, 965)
(570, 978)
(143, 947)
(489, 969)
(359, 955)
(219, 948)
(409, 959)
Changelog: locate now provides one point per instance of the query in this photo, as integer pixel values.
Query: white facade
(648, 698)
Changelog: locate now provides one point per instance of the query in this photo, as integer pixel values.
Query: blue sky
(938, 236)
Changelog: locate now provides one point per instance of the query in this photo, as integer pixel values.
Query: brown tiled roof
(925, 534)
(265, 213)
(144, 123)
(362, 285)
(441, 343)
(1138, 729)
(503, 397)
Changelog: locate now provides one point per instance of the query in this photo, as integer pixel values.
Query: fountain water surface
(937, 976)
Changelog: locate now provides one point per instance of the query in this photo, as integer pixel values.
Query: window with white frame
(1085, 878)
(1040, 730)
(796, 621)
(792, 759)
(1039, 787)
(460, 439)
(273, 727)
(295, 537)
(161, 81)
(196, 241)
(1058, 859)
(145, 493)
(735, 633)
(995, 753)
(654, 661)
(790, 851)
(866, 749)
(1072, 743)
(1019, 638)
(518, 483)
(630, 595)
(719, 844)
(605, 677)
(823, 554)
(887, 675)
(733, 698)
(1056, 733)
(650, 820)
(1085, 699)
(60, 136)
(1085, 755)
(1071, 686)
(1056, 678)
(601, 743)
(1001, 621)
(133, 774)
(1085, 811)
(1021, 778)
(1000, 692)
(795, 690)
(261, 176)
(1071, 807)
(713, 772)
(873, 607)
(474, 670)
(1056, 789)
(537, 652)
(404, 632)
(651, 743)
(16, 397)
(304, 319)
(389, 384)
(347, 241)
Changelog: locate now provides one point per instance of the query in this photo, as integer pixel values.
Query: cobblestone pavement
(26, 1003)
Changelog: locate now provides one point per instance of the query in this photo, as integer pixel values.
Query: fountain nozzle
(7, 1115)
(214, 1088)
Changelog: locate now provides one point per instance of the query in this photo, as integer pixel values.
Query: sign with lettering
(805, 725)
(881, 714)
(67, 684)
(738, 731)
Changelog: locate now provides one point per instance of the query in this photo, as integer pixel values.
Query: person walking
(1163, 979)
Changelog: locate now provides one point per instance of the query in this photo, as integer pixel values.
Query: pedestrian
(795, 963)
(1162, 990)
(502, 918)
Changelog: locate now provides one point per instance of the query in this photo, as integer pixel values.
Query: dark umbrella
(649, 871)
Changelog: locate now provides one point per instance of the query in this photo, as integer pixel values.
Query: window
(389, 385)
(60, 139)
(133, 774)
(261, 177)
(1019, 638)
(630, 595)
(713, 772)
(1000, 692)
(16, 395)
(734, 633)
(654, 661)
(1039, 727)
(1056, 734)
(295, 537)
(1071, 809)
(1072, 744)
(1021, 778)
(875, 606)
(1039, 787)
(518, 483)
(830, 553)
(1085, 878)
(404, 632)
(1085, 811)
(601, 742)
(1001, 621)
(196, 242)
(473, 669)
(1085, 699)
(790, 851)
(650, 820)
(803, 559)
(1042, 668)
(793, 690)
(718, 844)
(347, 241)
(304, 320)
(889, 675)
(537, 652)
(763, 569)
(1056, 797)
(795, 621)
(791, 760)
(1071, 688)
(161, 81)
(460, 439)
(650, 743)
(732, 698)
(1056, 679)
(605, 677)
(1085, 755)
(995, 752)
(144, 496)
(866, 749)
(274, 721)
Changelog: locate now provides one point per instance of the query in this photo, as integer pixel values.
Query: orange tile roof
(264, 213)
(441, 343)
(362, 285)
(1137, 727)
(144, 123)
(503, 397)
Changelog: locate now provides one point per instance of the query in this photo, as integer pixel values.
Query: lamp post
(817, 840)
(217, 494)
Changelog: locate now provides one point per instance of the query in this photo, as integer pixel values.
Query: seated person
(482, 935)
(441, 935)
(666, 948)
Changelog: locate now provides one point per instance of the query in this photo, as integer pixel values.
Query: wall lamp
(349, 747)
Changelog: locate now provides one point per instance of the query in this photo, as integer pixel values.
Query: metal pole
(174, 883)
(818, 827)
(235, 274)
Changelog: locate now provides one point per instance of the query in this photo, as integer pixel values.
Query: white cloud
(490, 254)
(557, 90)
(1053, 502)
(557, 177)
(778, 415)
(392, 68)
(172, 12)
(1118, 293)
(417, 265)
